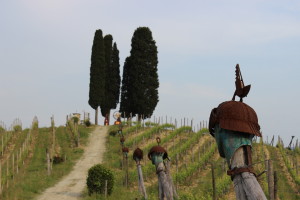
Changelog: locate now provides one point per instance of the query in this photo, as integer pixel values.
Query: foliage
(148, 134)
(97, 71)
(181, 177)
(97, 175)
(17, 128)
(140, 83)
(288, 165)
(87, 123)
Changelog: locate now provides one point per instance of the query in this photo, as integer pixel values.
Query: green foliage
(2, 130)
(87, 123)
(75, 119)
(181, 177)
(113, 130)
(97, 71)
(140, 83)
(97, 175)
(17, 128)
(148, 134)
(288, 165)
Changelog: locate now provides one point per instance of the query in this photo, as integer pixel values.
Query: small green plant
(87, 122)
(75, 119)
(17, 128)
(97, 175)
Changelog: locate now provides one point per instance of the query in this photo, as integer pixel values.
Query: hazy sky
(45, 50)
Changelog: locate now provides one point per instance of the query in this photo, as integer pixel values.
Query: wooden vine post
(125, 154)
(234, 124)
(138, 156)
(157, 155)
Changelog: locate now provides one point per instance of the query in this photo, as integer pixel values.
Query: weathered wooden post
(138, 156)
(48, 162)
(233, 124)
(270, 180)
(157, 155)
(213, 181)
(125, 151)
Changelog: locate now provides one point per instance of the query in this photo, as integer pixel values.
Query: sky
(45, 51)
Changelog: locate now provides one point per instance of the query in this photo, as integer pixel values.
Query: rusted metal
(235, 116)
(125, 150)
(240, 89)
(158, 149)
(138, 154)
(158, 140)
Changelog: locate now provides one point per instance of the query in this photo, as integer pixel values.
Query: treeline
(139, 90)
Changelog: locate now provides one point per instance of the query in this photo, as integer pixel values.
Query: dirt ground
(72, 185)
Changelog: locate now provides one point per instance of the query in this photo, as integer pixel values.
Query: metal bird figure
(240, 89)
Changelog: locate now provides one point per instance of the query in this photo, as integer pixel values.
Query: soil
(72, 185)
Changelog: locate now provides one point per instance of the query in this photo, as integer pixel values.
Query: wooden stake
(213, 181)
(270, 180)
(48, 162)
(105, 192)
(275, 184)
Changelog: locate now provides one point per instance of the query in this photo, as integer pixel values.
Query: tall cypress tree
(126, 94)
(105, 108)
(115, 78)
(112, 76)
(97, 72)
(140, 95)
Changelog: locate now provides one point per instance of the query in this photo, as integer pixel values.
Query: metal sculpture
(158, 155)
(240, 89)
(234, 124)
(138, 156)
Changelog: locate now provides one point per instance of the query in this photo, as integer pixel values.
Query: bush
(113, 130)
(87, 123)
(96, 180)
(17, 128)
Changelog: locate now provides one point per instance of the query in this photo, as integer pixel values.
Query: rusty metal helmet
(138, 154)
(158, 149)
(234, 116)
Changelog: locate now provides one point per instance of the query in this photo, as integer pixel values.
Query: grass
(32, 179)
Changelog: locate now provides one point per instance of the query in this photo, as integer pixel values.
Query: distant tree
(115, 76)
(126, 105)
(97, 72)
(112, 76)
(140, 95)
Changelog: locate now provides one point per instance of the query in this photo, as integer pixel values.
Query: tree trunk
(96, 116)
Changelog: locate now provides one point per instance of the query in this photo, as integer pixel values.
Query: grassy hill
(192, 155)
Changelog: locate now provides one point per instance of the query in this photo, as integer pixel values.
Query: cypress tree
(115, 76)
(112, 76)
(97, 72)
(140, 95)
(125, 105)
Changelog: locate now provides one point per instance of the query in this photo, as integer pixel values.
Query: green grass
(33, 179)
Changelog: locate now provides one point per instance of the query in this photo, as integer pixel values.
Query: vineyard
(193, 155)
(26, 172)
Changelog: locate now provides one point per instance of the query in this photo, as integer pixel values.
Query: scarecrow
(233, 124)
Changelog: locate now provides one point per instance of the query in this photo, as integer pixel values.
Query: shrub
(17, 128)
(87, 123)
(96, 180)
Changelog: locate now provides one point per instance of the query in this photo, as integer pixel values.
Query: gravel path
(72, 185)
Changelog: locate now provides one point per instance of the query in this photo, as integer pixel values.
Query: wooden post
(48, 162)
(0, 179)
(141, 181)
(270, 180)
(2, 146)
(13, 165)
(213, 181)
(105, 192)
(275, 184)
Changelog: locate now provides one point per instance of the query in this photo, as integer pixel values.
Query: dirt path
(72, 185)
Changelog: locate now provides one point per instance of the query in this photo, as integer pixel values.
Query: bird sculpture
(240, 89)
